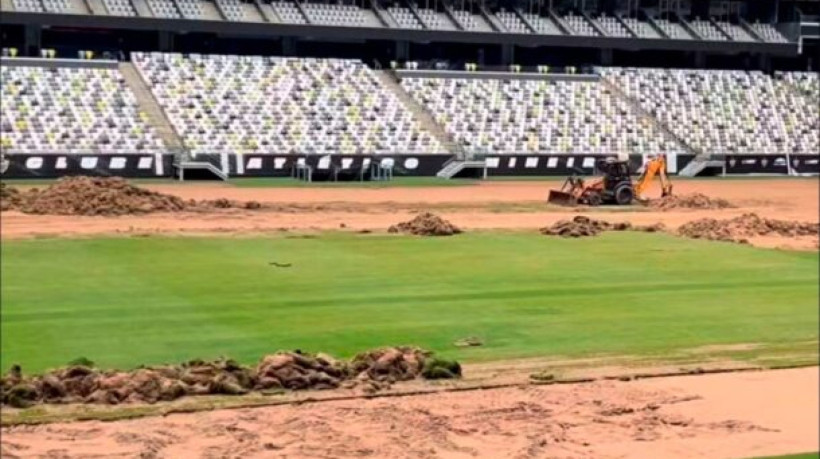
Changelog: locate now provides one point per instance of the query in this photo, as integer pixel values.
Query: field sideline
(123, 302)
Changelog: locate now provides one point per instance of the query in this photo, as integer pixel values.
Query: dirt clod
(689, 201)
(739, 228)
(372, 371)
(426, 224)
(582, 226)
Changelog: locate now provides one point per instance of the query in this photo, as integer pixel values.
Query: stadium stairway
(210, 12)
(616, 91)
(142, 9)
(96, 7)
(147, 102)
(425, 119)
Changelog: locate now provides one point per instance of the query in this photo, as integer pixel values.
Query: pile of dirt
(9, 197)
(689, 201)
(582, 226)
(106, 196)
(372, 371)
(426, 224)
(738, 229)
(94, 196)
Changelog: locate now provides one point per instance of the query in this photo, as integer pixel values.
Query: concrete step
(210, 12)
(142, 8)
(454, 167)
(148, 104)
(252, 13)
(97, 7)
(420, 114)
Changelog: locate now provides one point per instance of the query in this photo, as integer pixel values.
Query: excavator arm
(654, 167)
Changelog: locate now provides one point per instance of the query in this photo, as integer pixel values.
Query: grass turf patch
(128, 301)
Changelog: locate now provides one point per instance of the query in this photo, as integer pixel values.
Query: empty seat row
(232, 9)
(254, 104)
(527, 116)
(405, 18)
(119, 7)
(288, 12)
(71, 110)
(725, 112)
(334, 14)
(512, 22)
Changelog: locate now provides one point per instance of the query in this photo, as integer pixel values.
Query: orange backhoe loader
(614, 186)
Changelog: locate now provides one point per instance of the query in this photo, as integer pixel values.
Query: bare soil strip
(715, 415)
(488, 205)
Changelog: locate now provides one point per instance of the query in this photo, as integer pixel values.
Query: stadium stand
(768, 33)
(512, 22)
(232, 9)
(71, 110)
(543, 25)
(806, 82)
(707, 30)
(404, 17)
(190, 9)
(673, 29)
(163, 8)
(340, 15)
(436, 20)
(735, 31)
(641, 28)
(473, 22)
(579, 25)
(28, 5)
(535, 116)
(725, 111)
(56, 6)
(119, 7)
(288, 12)
(611, 26)
(280, 105)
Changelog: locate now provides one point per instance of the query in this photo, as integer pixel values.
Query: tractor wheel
(624, 195)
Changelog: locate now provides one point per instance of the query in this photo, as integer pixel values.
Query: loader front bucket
(561, 198)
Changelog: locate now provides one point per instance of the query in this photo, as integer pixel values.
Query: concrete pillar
(606, 57)
(402, 51)
(507, 55)
(166, 42)
(288, 46)
(33, 40)
(700, 60)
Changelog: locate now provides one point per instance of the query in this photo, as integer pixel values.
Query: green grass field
(128, 301)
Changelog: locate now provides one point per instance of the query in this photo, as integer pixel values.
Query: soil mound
(689, 201)
(739, 228)
(95, 196)
(9, 197)
(372, 371)
(582, 226)
(426, 224)
(106, 196)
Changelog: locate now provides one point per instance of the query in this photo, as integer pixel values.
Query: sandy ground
(488, 205)
(731, 415)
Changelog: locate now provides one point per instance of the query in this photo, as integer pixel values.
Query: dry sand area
(729, 415)
(487, 205)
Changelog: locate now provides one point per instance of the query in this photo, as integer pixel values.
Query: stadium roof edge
(319, 32)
